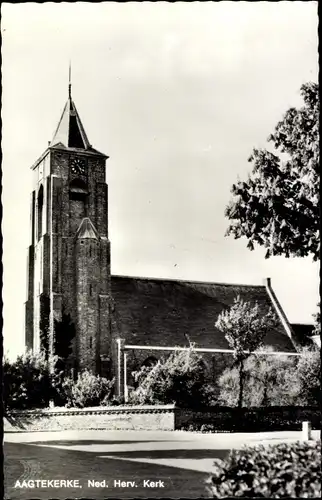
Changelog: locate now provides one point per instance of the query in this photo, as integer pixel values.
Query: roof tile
(161, 312)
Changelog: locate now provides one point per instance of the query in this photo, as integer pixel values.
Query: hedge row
(248, 420)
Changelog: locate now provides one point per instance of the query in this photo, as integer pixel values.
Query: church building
(69, 274)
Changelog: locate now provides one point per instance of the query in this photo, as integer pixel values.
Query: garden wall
(164, 417)
(111, 418)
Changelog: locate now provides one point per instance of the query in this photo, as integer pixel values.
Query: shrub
(117, 401)
(179, 379)
(275, 471)
(27, 382)
(88, 390)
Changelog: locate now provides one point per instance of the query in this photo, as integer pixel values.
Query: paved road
(158, 464)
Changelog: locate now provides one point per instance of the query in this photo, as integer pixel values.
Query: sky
(177, 95)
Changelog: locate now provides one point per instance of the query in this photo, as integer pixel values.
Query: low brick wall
(108, 418)
(163, 417)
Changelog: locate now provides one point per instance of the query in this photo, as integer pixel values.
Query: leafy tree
(179, 379)
(245, 327)
(305, 381)
(265, 375)
(278, 206)
(275, 380)
(317, 322)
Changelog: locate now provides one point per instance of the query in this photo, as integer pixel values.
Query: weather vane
(70, 79)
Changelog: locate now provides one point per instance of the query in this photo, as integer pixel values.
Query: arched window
(78, 193)
(40, 204)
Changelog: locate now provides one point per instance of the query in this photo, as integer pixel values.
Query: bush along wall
(277, 471)
(87, 390)
(263, 419)
(29, 383)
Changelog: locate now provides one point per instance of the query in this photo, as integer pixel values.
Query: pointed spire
(87, 230)
(70, 131)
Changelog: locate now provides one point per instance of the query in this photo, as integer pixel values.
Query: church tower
(69, 252)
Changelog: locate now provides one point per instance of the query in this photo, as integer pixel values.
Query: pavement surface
(119, 464)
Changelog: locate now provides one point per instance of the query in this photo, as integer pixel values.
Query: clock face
(78, 165)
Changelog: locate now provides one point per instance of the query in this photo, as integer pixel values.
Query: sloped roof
(303, 333)
(70, 132)
(89, 151)
(162, 312)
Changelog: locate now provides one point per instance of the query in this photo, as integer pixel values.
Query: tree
(180, 379)
(317, 321)
(245, 327)
(278, 206)
(266, 376)
(305, 381)
(274, 380)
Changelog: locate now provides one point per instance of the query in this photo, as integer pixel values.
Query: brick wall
(163, 417)
(113, 418)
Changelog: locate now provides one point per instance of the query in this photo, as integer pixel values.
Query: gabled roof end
(87, 230)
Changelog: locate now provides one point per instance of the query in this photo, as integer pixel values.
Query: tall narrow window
(90, 290)
(40, 204)
(90, 342)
